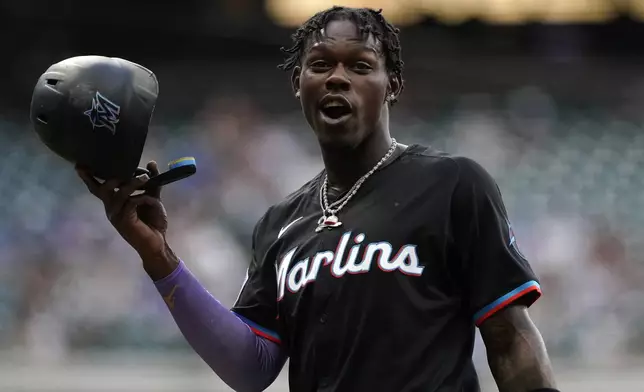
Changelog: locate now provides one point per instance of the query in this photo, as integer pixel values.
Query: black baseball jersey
(389, 300)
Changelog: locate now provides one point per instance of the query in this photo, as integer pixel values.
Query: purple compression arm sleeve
(243, 360)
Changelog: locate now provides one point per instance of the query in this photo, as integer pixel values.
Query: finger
(134, 202)
(140, 170)
(107, 189)
(92, 184)
(141, 200)
(120, 198)
(153, 168)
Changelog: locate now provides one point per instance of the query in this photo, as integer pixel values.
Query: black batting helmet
(95, 111)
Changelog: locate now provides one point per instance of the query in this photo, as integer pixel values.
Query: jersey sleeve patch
(259, 330)
(531, 287)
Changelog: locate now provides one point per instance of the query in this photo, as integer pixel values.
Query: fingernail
(143, 177)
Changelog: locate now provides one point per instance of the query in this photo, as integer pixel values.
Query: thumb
(153, 168)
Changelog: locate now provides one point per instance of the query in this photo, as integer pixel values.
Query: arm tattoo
(516, 352)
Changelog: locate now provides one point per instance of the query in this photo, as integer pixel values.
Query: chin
(340, 135)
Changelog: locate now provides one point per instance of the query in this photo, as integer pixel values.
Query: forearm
(220, 338)
(516, 352)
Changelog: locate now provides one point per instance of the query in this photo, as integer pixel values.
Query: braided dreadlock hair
(368, 20)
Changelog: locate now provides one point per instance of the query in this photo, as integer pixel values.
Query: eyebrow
(322, 46)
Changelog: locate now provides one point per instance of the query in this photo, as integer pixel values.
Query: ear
(395, 86)
(295, 79)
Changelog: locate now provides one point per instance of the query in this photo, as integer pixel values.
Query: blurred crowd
(571, 180)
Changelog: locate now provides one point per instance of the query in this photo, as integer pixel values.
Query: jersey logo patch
(512, 242)
(103, 113)
(513, 238)
(285, 228)
(341, 262)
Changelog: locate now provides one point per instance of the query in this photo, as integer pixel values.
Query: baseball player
(374, 274)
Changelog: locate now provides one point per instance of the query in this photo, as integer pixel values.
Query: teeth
(333, 105)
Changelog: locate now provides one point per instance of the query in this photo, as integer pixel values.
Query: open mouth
(335, 110)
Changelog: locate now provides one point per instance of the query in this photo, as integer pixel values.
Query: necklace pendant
(328, 222)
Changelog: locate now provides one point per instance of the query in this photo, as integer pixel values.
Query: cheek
(377, 96)
(374, 98)
(309, 88)
(308, 103)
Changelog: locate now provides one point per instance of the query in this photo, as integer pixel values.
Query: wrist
(161, 264)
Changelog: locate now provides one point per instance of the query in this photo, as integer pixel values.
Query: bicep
(256, 303)
(495, 273)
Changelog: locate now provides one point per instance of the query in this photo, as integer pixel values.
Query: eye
(362, 67)
(319, 65)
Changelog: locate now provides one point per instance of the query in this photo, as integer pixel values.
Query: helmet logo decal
(103, 113)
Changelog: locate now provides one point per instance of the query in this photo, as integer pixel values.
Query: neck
(346, 164)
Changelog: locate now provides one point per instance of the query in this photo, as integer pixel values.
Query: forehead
(343, 32)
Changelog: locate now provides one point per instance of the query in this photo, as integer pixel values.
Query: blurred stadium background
(547, 94)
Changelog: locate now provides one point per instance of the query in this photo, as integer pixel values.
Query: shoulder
(463, 178)
(460, 169)
(472, 174)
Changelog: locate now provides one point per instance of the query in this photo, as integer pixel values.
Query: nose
(338, 80)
